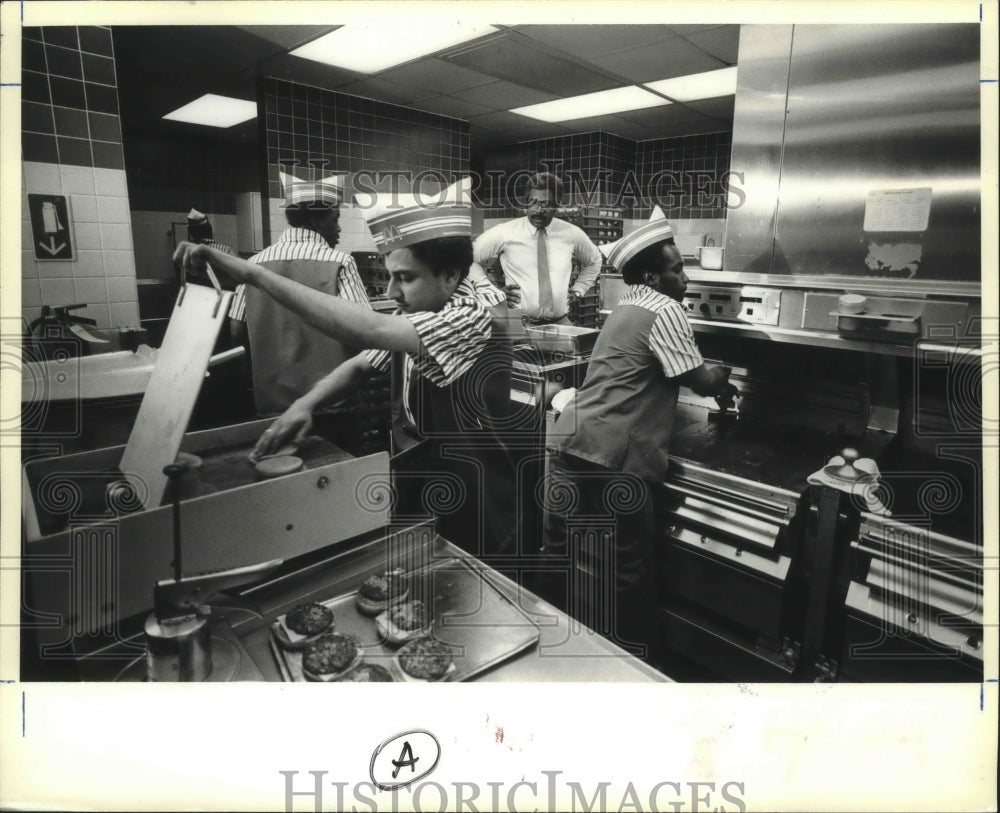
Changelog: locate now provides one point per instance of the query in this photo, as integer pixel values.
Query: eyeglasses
(540, 206)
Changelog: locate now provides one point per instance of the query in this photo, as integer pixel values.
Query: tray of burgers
(444, 622)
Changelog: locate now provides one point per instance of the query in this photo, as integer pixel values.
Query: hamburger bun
(426, 659)
(404, 622)
(330, 657)
(303, 624)
(379, 591)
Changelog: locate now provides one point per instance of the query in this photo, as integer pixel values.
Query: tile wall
(71, 145)
(683, 174)
(307, 126)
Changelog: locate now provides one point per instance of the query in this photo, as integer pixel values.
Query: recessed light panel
(372, 48)
(695, 86)
(215, 111)
(601, 103)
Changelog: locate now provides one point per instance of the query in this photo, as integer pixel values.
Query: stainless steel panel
(902, 111)
(868, 108)
(758, 133)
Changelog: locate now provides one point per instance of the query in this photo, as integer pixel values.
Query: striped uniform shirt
(670, 337)
(623, 413)
(451, 340)
(305, 244)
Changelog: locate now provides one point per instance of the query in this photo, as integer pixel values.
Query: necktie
(546, 307)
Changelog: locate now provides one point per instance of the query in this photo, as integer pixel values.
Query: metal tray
(562, 338)
(471, 615)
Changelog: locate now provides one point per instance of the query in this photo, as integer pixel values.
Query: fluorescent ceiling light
(371, 48)
(215, 111)
(706, 85)
(592, 104)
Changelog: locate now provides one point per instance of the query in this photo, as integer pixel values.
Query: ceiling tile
(384, 91)
(720, 107)
(662, 60)
(593, 124)
(685, 129)
(533, 132)
(504, 95)
(288, 36)
(590, 40)
(660, 115)
(501, 120)
(686, 30)
(306, 72)
(450, 106)
(516, 60)
(722, 43)
(437, 75)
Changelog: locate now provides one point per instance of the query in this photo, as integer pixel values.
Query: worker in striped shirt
(613, 439)
(449, 366)
(289, 355)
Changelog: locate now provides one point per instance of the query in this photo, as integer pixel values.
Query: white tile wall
(57, 291)
(116, 236)
(83, 208)
(124, 314)
(113, 210)
(89, 264)
(31, 293)
(119, 264)
(92, 290)
(121, 289)
(98, 209)
(88, 236)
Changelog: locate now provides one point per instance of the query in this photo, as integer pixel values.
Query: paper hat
(328, 190)
(655, 230)
(194, 216)
(400, 220)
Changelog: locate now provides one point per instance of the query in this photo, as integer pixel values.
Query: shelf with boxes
(603, 224)
(373, 273)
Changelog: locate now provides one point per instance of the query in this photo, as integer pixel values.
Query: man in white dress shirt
(536, 253)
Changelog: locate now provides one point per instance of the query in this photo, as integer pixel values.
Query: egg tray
(480, 624)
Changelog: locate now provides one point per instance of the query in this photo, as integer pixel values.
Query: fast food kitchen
(823, 525)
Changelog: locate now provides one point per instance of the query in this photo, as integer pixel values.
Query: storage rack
(602, 224)
(371, 269)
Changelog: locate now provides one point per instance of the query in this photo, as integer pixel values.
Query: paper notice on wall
(895, 210)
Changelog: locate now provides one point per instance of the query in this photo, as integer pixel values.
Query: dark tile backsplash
(684, 175)
(307, 126)
(69, 97)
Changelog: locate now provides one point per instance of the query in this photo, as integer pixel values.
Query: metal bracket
(219, 293)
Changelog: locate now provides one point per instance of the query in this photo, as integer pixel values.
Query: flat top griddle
(771, 454)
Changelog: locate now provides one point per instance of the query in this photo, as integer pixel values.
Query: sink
(86, 378)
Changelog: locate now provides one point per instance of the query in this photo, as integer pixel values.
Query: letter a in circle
(405, 758)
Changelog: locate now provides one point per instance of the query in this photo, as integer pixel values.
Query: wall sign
(896, 210)
(51, 235)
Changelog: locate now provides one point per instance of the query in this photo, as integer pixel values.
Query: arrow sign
(52, 248)
(51, 228)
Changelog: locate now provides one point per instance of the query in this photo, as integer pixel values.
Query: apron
(448, 458)
(287, 355)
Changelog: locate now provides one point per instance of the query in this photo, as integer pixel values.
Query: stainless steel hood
(832, 122)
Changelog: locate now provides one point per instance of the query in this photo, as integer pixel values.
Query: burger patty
(425, 658)
(383, 587)
(409, 616)
(308, 619)
(369, 673)
(329, 653)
